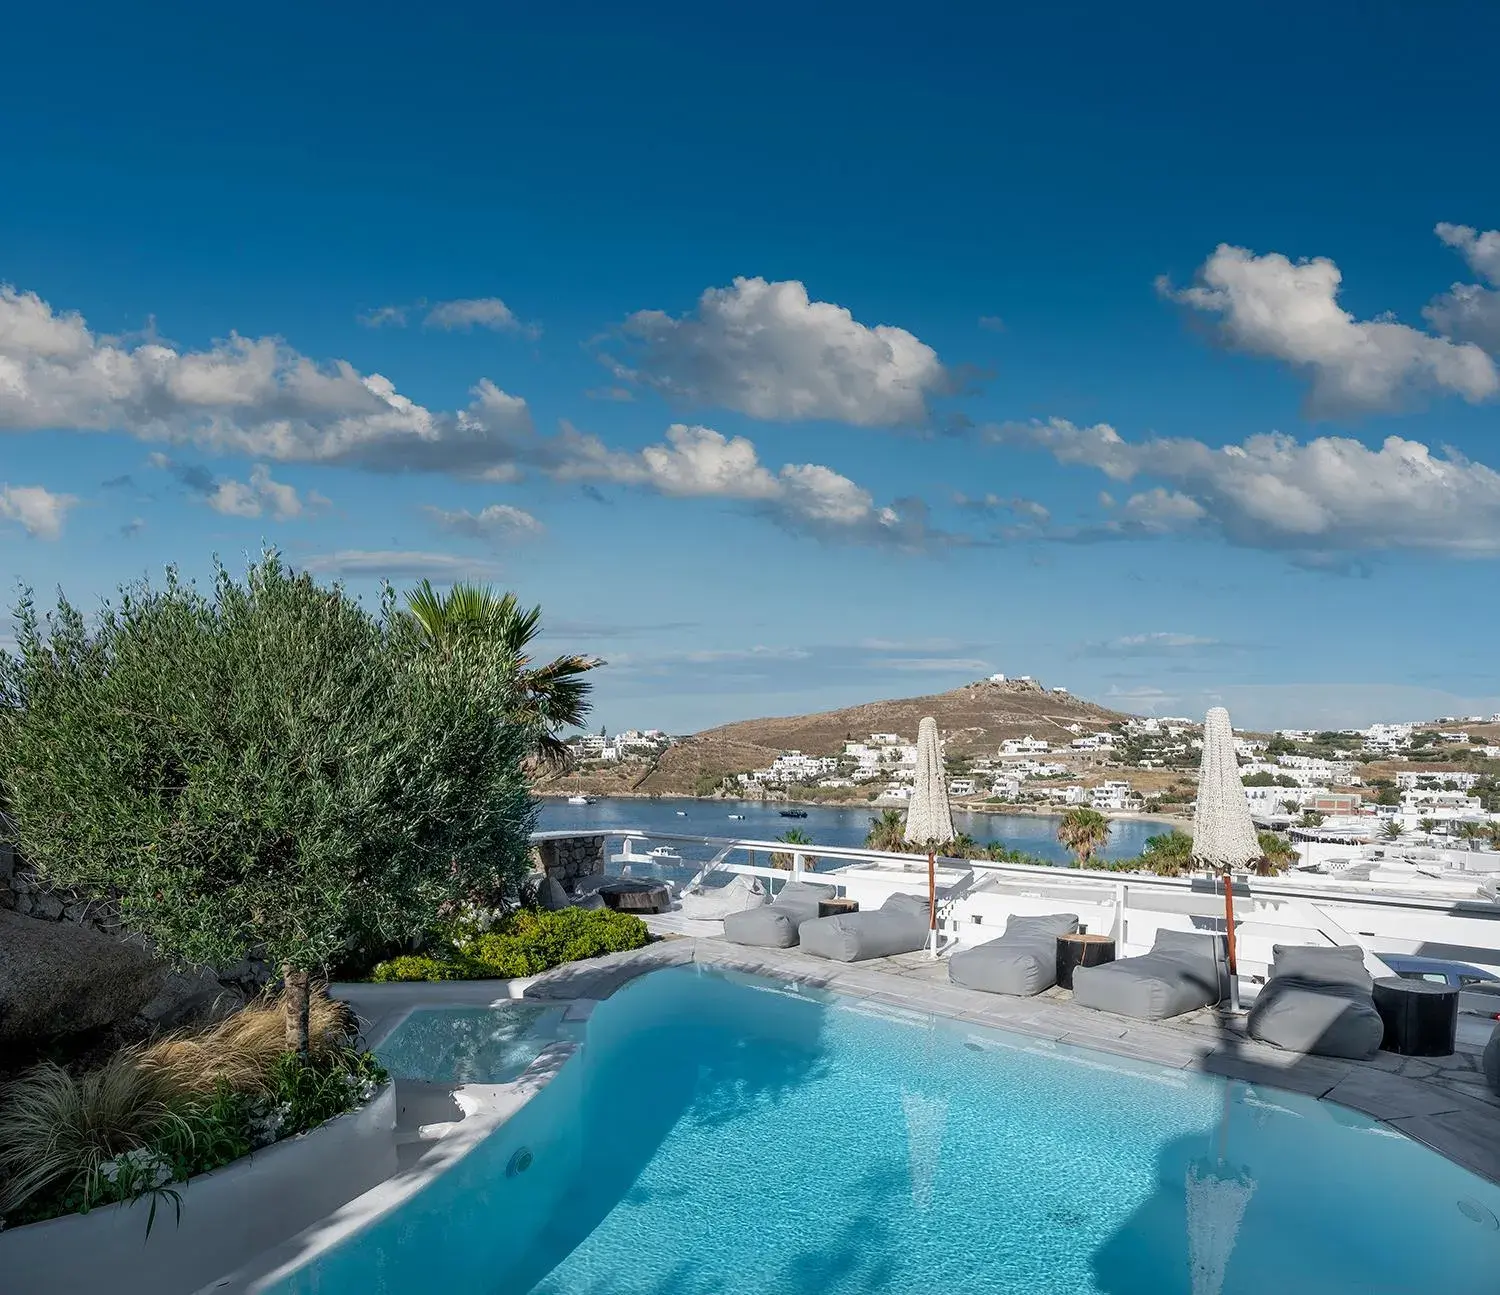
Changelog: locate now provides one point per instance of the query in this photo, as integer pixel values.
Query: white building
(1320, 770)
(1435, 780)
(1027, 745)
(961, 787)
(1115, 795)
(1093, 742)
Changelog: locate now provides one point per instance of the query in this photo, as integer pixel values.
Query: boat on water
(682, 813)
(664, 854)
(736, 816)
(794, 813)
(580, 800)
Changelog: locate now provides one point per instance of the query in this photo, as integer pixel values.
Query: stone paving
(1440, 1101)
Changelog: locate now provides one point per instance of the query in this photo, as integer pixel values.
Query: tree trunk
(297, 1005)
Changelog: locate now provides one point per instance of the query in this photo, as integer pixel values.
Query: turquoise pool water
(472, 1045)
(719, 1135)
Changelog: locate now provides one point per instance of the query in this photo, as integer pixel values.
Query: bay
(825, 825)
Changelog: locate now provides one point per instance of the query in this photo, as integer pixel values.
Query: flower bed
(155, 1116)
(525, 943)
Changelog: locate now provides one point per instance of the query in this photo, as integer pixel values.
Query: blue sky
(789, 358)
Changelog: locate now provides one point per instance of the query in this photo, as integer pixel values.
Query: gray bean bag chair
(1022, 961)
(774, 925)
(1185, 970)
(900, 925)
(1318, 1000)
(714, 903)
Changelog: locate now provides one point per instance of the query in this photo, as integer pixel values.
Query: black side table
(1074, 951)
(1421, 1017)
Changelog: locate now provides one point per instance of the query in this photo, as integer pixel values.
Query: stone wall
(570, 860)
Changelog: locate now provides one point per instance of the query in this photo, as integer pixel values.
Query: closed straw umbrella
(1223, 836)
(929, 818)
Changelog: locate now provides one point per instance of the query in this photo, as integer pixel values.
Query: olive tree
(264, 769)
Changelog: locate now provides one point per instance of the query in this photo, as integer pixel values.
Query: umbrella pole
(1234, 968)
(932, 902)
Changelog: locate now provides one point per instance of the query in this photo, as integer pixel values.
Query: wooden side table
(629, 896)
(1074, 951)
(833, 907)
(1421, 1016)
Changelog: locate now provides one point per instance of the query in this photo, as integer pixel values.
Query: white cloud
(1289, 311)
(1157, 643)
(36, 510)
(1329, 495)
(251, 396)
(495, 522)
(462, 313)
(764, 349)
(401, 564)
(381, 316)
(475, 312)
(261, 495)
(1470, 312)
(698, 462)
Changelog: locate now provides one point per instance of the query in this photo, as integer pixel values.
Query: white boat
(665, 854)
(736, 816)
(580, 800)
(682, 813)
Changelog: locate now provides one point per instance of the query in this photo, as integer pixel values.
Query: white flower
(143, 1168)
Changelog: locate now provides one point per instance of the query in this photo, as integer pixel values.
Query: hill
(973, 719)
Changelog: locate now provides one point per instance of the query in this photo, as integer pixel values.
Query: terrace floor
(1442, 1102)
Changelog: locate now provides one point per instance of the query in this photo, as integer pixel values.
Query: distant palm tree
(794, 836)
(1276, 853)
(962, 846)
(888, 832)
(1291, 806)
(1082, 831)
(549, 698)
(1311, 818)
(1393, 831)
(1428, 825)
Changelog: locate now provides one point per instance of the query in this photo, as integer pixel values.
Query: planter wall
(228, 1215)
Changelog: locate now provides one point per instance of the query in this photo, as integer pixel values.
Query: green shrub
(418, 966)
(525, 943)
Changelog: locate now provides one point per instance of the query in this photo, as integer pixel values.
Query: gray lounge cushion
(1318, 1000)
(900, 925)
(1022, 961)
(1185, 970)
(774, 926)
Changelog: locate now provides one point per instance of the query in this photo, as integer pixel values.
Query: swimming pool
(720, 1134)
(472, 1045)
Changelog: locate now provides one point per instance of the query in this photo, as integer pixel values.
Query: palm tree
(962, 846)
(1082, 831)
(1392, 831)
(794, 837)
(1276, 853)
(549, 698)
(1291, 806)
(1311, 818)
(888, 832)
(1428, 825)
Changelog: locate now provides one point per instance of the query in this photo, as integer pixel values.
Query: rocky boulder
(62, 978)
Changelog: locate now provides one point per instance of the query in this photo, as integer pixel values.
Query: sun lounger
(900, 925)
(1185, 970)
(774, 925)
(715, 903)
(1318, 1000)
(1022, 961)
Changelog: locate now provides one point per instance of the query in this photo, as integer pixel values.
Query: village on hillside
(1425, 775)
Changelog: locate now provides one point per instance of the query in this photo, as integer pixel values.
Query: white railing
(977, 896)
